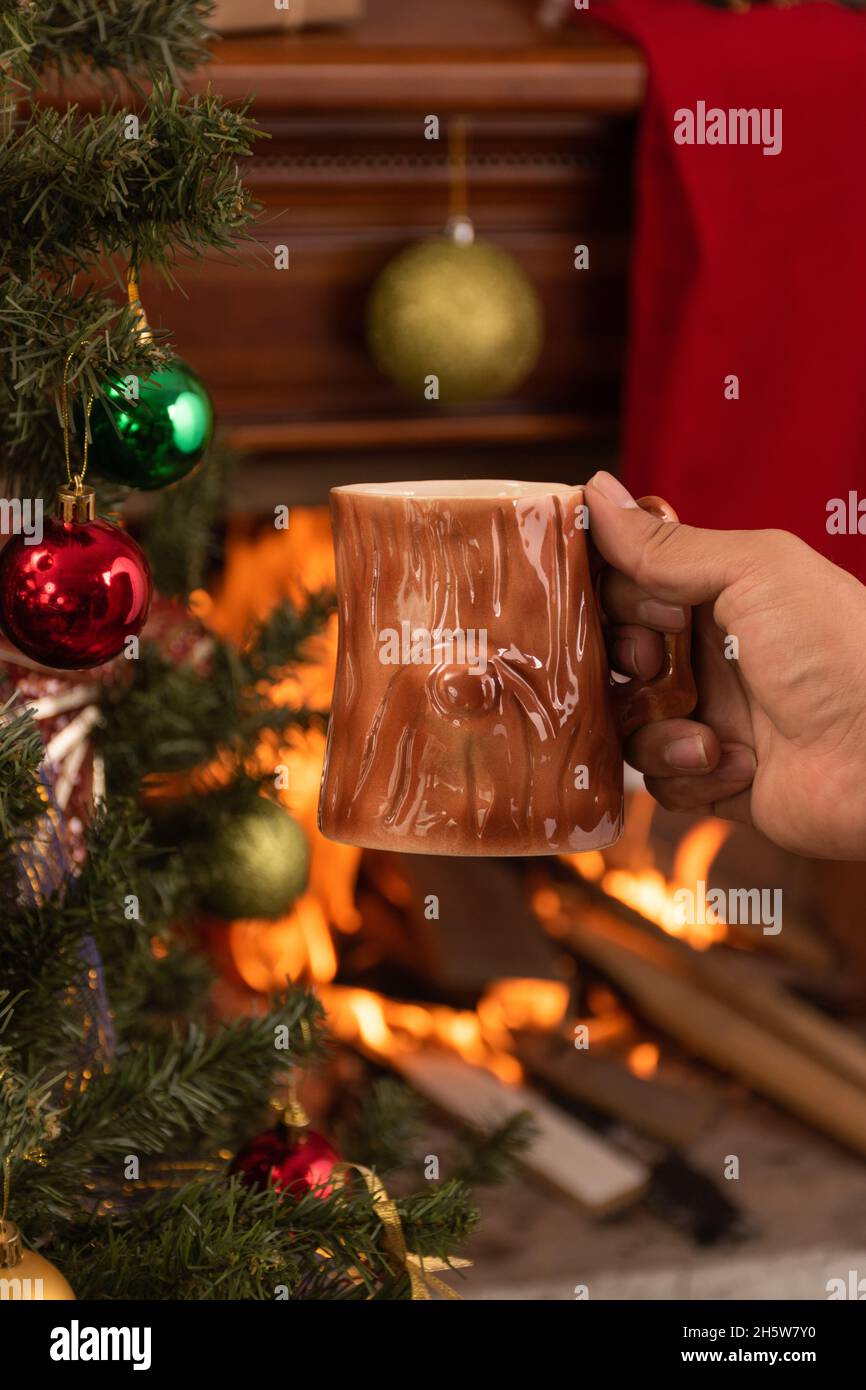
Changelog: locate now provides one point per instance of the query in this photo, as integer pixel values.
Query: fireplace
(683, 1015)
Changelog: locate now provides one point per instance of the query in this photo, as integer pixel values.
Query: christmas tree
(130, 789)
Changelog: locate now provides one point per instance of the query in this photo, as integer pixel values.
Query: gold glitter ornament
(253, 863)
(454, 319)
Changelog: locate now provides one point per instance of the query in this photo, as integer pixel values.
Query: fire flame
(653, 895)
(263, 569)
(643, 1059)
(266, 952)
(513, 1005)
(387, 1028)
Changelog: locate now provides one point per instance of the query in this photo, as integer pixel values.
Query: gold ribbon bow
(422, 1270)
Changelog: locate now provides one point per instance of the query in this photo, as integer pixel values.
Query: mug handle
(672, 694)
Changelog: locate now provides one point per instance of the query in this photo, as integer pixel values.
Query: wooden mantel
(346, 177)
(481, 55)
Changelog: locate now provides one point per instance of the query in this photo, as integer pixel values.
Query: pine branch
(170, 1095)
(179, 537)
(21, 753)
(385, 1128)
(218, 1240)
(176, 983)
(74, 187)
(176, 717)
(281, 640)
(39, 325)
(40, 945)
(205, 1242)
(75, 192)
(40, 957)
(489, 1158)
(388, 1124)
(433, 1226)
(28, 1118)
(129, 36)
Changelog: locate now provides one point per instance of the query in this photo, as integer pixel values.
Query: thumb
(680, 564)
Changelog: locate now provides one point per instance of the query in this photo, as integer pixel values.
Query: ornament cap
(294, 1115)
(76, 503)
(460, 229)
(135, 304)
(11, 1249)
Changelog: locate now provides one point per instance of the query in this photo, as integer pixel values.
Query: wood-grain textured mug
(474, 712)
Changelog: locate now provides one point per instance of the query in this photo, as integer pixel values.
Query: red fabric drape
(753, 265)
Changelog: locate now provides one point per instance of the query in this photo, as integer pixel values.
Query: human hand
(778, 738)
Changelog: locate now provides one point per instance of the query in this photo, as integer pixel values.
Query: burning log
(737, 982)
(767, 1002)
(669, 1114)
(710, 850)
(467, 919)
(785, 1071)
(475, 1084)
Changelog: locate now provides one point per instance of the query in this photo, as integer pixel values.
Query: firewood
(467, 918)
(797, 943)
(770, 1004)
(684, 1009)
(670, 1114)
(565, 1155)
(747, 857)
(736, 982)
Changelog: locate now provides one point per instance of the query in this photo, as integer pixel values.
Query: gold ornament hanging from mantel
(454, 318)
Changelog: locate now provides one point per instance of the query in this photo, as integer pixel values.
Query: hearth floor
(803, 1196)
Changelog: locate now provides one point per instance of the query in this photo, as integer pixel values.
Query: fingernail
(657, 614)
(737, 763)
(686, 753)
(611, 488)
(625, 655)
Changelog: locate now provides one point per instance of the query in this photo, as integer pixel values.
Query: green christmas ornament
(156, 439)
(255, 864)
(454, 319)
(149, 432)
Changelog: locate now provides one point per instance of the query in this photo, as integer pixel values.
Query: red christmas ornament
(71, 601)
(292, 1160)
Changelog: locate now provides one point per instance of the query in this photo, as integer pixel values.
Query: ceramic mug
(474, 712)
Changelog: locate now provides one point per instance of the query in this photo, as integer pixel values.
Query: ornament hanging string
(10, 1243)
(133, 292)
(292, 1112)
(75, 480)
(35, 1156)
(458, 196)
(7, 1182)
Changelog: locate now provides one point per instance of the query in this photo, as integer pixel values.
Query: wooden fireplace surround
(346, 177)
